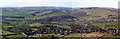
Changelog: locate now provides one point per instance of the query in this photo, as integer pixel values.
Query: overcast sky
(60, 3)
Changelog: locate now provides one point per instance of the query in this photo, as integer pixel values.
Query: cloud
(61, 3)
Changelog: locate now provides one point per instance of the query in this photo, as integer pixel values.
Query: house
(23, 34)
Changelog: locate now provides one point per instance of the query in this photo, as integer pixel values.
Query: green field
(17, 14)
(62, 26)
(105, 23)
(50, 15)
(7, 32)
(35, 24)
(7, 26)
(15, 36)
(98, 12)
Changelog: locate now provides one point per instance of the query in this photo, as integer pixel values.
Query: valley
(60, 22)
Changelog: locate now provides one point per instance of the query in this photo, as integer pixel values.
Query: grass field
(35, 24)
(15, 36)
(49, 15)
(7, 32)
(21, 14)
(34, 29)
(103, 24)
(62, 26)
(98, 12)
(7, 26)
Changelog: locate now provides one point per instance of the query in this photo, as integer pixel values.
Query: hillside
(57, 20)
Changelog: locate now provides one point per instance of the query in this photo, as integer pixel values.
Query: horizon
(57, 6)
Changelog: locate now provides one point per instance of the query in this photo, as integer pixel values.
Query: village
(81, 28)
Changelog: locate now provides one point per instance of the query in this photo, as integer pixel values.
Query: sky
(60, 3)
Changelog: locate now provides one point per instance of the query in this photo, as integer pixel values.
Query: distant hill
(90, 13)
